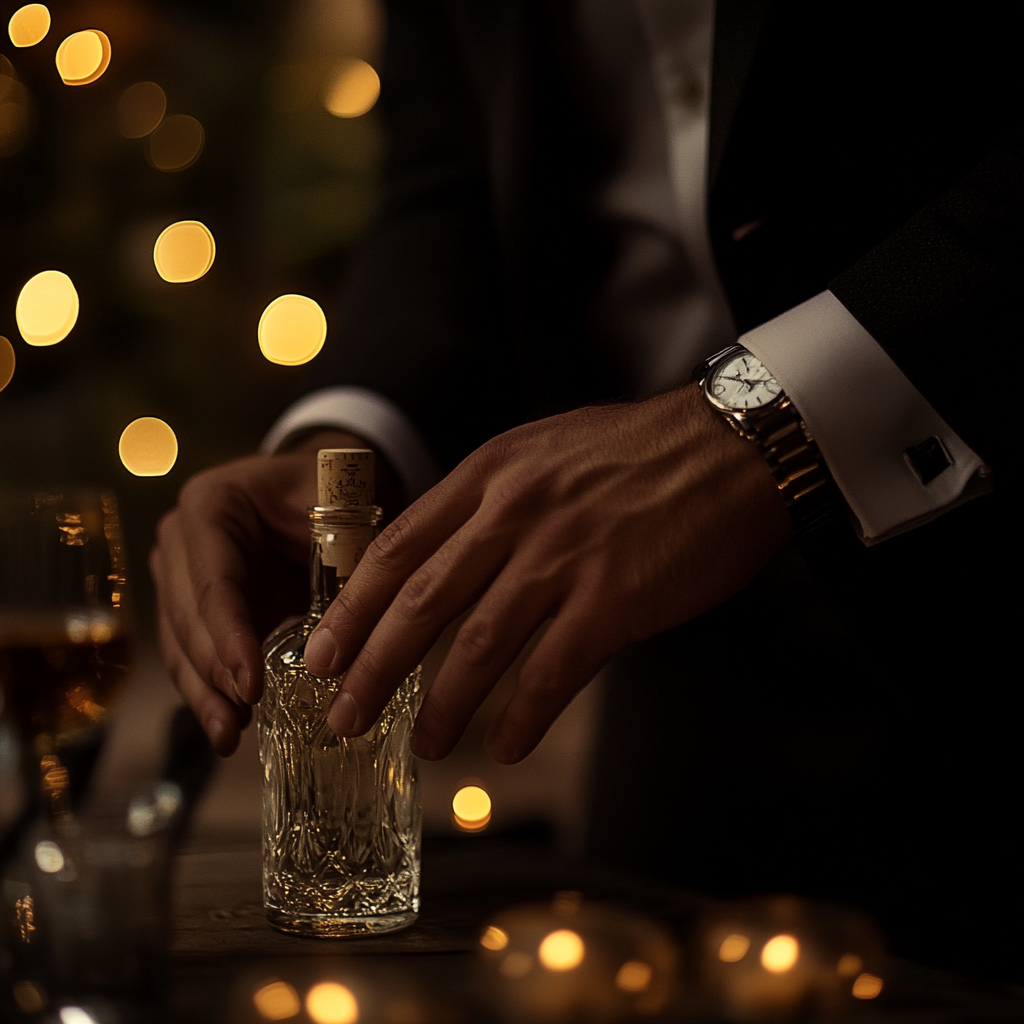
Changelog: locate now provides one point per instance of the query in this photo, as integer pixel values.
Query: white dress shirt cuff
(864, 414)
(379, 422)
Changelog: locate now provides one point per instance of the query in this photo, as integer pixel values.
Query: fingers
(572, 651)
(362, 607)
(488, 642)
(222, 721)
(215, 529)
(436, 594)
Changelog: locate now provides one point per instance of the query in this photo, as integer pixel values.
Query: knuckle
(392, 543)
(418, 598)
(476, 641)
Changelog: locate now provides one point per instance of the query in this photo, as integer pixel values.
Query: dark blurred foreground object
(86, 899)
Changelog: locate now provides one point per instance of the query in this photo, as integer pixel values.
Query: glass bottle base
(331, 926)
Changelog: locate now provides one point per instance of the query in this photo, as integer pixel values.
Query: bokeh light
(634, 976)
(562, 950)
(277, 1001)
(140, 109)
(867, 986)
(30, 997)
(47, 308)
(516, 965)
(331, 1003)
(176, 143)
(780, 954)
(494, 938)
(471, 808)
(49, 857)
(733, 948)
(184, 251)
(83, 57)
(7, 362)
(352, 90)
(148, 447)
(292, 330)
(29, 25)
(849, 965)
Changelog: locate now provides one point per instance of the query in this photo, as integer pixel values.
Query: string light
(140, 109)
(353, 90)
(29, 25)
(176, 143)
(83, 57)
(7, 362)
(292, 330)
(148, 447)
(184, 251)
(47, 308)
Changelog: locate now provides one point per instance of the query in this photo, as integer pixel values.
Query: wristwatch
(740, 387)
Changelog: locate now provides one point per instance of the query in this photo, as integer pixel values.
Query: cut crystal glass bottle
(341, 816)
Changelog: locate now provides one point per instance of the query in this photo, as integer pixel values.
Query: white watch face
(743, 382)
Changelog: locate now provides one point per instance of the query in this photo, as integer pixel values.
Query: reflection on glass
(47, 308)
(352, 90)
(292, 330)
(148, 447)
(331, 1003)
(7, 362)
(176, 143)
(184, 251)
(29, 25)
(140, 109)
(83, 57)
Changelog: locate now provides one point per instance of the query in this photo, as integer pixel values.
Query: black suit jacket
(861, 742)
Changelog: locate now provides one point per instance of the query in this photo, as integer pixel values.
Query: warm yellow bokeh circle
(83, 56)
(184, 251)
(140, 109)
(47, 308)
(292, 330)
(277, 1001)
(331, 1003)
(7, 362)
(29, 25)
(148, 447)
(353, 90)
(471, 807)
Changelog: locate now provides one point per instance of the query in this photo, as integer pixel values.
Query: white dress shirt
(643, 69)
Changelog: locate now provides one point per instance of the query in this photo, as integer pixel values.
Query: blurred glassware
(63, 637)
(779, 959)
(573, 960)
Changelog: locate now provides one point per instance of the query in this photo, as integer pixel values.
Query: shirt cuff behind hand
(865, 415)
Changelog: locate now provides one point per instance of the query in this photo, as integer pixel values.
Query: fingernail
(321, 649)
(243, 683)
(215, 731)
(343, 714)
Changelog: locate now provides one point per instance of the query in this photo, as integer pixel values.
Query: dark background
(283, 185)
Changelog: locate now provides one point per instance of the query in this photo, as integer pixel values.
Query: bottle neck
(338, 540)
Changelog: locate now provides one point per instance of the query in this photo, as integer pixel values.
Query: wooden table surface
(223, 949)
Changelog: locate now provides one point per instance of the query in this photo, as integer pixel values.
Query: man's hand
(229, 564)
(614, 523)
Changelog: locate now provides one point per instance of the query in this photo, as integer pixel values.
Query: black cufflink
(928, 459)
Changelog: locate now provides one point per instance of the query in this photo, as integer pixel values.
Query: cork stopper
(344, 478)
